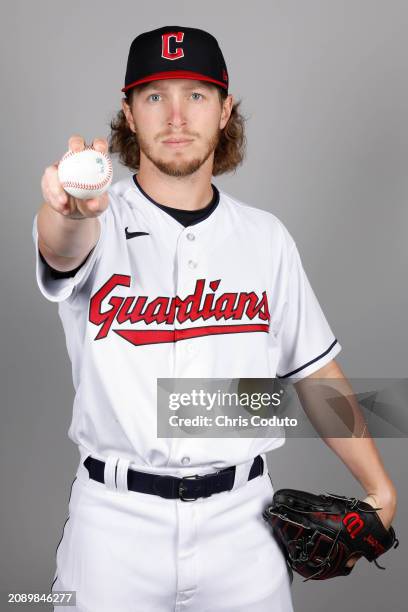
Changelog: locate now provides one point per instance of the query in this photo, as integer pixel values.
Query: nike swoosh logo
(134, 234)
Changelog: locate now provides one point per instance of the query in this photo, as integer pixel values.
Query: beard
(179, 167)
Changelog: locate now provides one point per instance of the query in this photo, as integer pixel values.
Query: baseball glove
(319, 533)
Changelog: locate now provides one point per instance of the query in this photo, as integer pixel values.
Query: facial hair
(179, 168)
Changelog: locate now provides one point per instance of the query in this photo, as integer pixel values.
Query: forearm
(362, 458)
(65, 242)
(329, 401)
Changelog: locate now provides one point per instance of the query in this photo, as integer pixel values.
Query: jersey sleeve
(307, 341)
(62, 274)
(60, 287)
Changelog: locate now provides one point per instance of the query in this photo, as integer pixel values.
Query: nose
(176, 113)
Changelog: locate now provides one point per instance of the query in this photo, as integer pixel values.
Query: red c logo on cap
(166, 53)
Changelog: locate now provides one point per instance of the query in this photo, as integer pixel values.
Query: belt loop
(121, 475)
(241, 474)
(109, 472)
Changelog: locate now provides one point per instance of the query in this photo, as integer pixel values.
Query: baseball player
(167, 276)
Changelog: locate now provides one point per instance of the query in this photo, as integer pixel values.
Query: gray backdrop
(324, 87)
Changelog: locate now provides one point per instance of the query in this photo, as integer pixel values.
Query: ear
(226, 111)
(128, 114)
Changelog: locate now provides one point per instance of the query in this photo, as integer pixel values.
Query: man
(165, 276)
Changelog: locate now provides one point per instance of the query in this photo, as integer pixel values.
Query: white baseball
(85, 174)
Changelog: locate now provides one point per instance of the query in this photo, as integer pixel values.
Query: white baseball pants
(123, 551)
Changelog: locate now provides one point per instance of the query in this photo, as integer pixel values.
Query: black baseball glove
(319, 533)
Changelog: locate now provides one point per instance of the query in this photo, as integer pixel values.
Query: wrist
(385, 495)
(386, 501)
(384, 490)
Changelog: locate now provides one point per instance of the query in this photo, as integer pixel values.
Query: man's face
(178, 123)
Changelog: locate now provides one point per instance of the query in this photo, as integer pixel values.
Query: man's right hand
(68, 228)
(61, 201)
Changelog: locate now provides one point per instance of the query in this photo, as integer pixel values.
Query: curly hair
(228, 154)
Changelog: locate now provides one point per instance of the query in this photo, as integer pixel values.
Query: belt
(188, 488)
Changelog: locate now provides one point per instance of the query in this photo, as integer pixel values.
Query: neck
(191, 192)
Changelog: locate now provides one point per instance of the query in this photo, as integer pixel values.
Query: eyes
(154, 97)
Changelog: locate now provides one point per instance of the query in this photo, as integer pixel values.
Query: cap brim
(175, 74)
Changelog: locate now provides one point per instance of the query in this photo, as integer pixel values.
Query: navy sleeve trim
(62, 274)
(309, 362)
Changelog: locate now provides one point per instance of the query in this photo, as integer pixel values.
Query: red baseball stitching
(88, 185)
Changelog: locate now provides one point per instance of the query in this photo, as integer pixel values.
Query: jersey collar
(184, 217)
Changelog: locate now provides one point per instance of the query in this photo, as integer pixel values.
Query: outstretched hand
(61, 201)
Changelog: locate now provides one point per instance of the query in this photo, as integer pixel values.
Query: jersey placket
(188, 267)
(186, 261)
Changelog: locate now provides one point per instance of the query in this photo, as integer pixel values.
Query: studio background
(323, 85)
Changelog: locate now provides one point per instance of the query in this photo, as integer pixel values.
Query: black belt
(188, 488)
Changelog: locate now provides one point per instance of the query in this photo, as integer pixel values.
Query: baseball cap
(174, 52)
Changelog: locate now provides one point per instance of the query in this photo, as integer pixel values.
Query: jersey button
(192, 264)
(190, 236)
(185, 460)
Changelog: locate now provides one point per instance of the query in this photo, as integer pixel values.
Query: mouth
(177, 142)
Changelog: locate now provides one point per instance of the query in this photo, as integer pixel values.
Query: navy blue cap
(174, 52)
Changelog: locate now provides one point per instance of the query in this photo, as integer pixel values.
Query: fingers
(76, 143)
(55, 195)
(52, 190)
(100, 144)
(94, 206)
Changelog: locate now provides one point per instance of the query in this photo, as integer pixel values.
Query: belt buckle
(181, 488)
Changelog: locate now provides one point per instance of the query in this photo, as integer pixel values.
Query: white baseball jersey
(226, 297)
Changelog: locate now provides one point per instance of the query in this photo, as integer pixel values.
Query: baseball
(85, 174)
